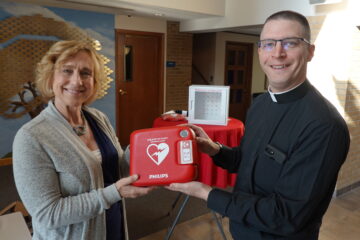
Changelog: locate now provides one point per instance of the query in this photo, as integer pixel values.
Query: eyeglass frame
(281, 42)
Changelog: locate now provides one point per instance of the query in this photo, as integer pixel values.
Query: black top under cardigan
(110, 168)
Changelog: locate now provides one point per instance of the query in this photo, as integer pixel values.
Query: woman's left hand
(126, 190)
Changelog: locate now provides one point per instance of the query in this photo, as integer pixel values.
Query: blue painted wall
(99, 26)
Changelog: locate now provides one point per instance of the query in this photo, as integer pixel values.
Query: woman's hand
(195, 189)
(126, 190)
(205, 144)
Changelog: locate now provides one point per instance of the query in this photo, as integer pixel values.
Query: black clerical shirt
(287, 165)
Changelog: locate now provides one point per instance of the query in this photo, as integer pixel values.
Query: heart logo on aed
(158, 153)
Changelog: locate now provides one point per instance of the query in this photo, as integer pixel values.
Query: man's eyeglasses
(286, 43)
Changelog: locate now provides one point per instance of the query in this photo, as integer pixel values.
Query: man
(294, 145)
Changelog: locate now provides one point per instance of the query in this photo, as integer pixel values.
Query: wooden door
(139, 81)
(238, 74)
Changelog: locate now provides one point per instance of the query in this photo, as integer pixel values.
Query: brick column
(178, 78)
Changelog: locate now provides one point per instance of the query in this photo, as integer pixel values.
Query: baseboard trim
(346, 189)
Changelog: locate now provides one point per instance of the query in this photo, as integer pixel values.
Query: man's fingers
(179, 187)
(201, 140)
(198, 130)
(171, 187)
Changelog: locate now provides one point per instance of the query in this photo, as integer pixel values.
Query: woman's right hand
(126, 190)
(205, 144)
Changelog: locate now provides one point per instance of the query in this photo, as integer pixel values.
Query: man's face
(284, 68)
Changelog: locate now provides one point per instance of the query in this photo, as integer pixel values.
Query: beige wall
(140, 24)
(335, 72)
(258, 76)
(247, 13)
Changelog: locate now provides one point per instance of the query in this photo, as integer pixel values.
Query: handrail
(5, 161)
(16, 206)
(201, 75)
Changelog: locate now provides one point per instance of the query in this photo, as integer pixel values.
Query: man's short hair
(294, 16)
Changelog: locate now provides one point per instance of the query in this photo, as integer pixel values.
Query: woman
(67, 161)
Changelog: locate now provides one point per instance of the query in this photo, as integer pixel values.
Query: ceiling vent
(98, 4)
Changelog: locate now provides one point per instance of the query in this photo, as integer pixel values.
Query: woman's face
(73, 82)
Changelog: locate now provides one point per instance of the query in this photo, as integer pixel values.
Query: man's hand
(195, 189)
(128, 191)
(205, 144)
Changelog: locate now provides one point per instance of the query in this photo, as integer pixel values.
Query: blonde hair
(59, 53)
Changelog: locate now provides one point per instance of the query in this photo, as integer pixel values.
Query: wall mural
(26, 33)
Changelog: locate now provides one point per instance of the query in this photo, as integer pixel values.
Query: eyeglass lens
(286, 44)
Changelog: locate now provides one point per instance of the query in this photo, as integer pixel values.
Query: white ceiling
(124, 8)
(135, 9)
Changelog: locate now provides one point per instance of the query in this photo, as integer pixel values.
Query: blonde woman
(68, 165)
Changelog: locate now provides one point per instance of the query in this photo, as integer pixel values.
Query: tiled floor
(341, 222)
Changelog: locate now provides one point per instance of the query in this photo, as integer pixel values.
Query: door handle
(122, 92)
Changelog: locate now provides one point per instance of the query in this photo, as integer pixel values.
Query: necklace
(81, 129)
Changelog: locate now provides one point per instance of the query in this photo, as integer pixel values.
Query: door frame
(119, 68)
(250, 57)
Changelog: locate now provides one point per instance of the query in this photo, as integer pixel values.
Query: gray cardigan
(59, 180)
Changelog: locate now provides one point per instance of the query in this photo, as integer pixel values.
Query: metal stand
(176, 220)
(171, 228)
(219, 224)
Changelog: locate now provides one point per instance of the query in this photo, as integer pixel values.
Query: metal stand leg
(174, 203)
(219, 224)
(171, 229)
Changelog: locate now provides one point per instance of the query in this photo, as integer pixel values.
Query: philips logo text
(164, 175)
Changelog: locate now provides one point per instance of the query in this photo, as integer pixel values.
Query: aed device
(163, 155)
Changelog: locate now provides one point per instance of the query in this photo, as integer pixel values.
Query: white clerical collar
(273, 95)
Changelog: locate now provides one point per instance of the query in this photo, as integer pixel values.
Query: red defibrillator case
(164, 155)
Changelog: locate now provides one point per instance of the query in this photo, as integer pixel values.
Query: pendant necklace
(81, 129)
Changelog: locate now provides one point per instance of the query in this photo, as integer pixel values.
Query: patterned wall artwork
(19, 59)
(26, 33)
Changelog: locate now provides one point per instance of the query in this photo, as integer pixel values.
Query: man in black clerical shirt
(294, 144)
